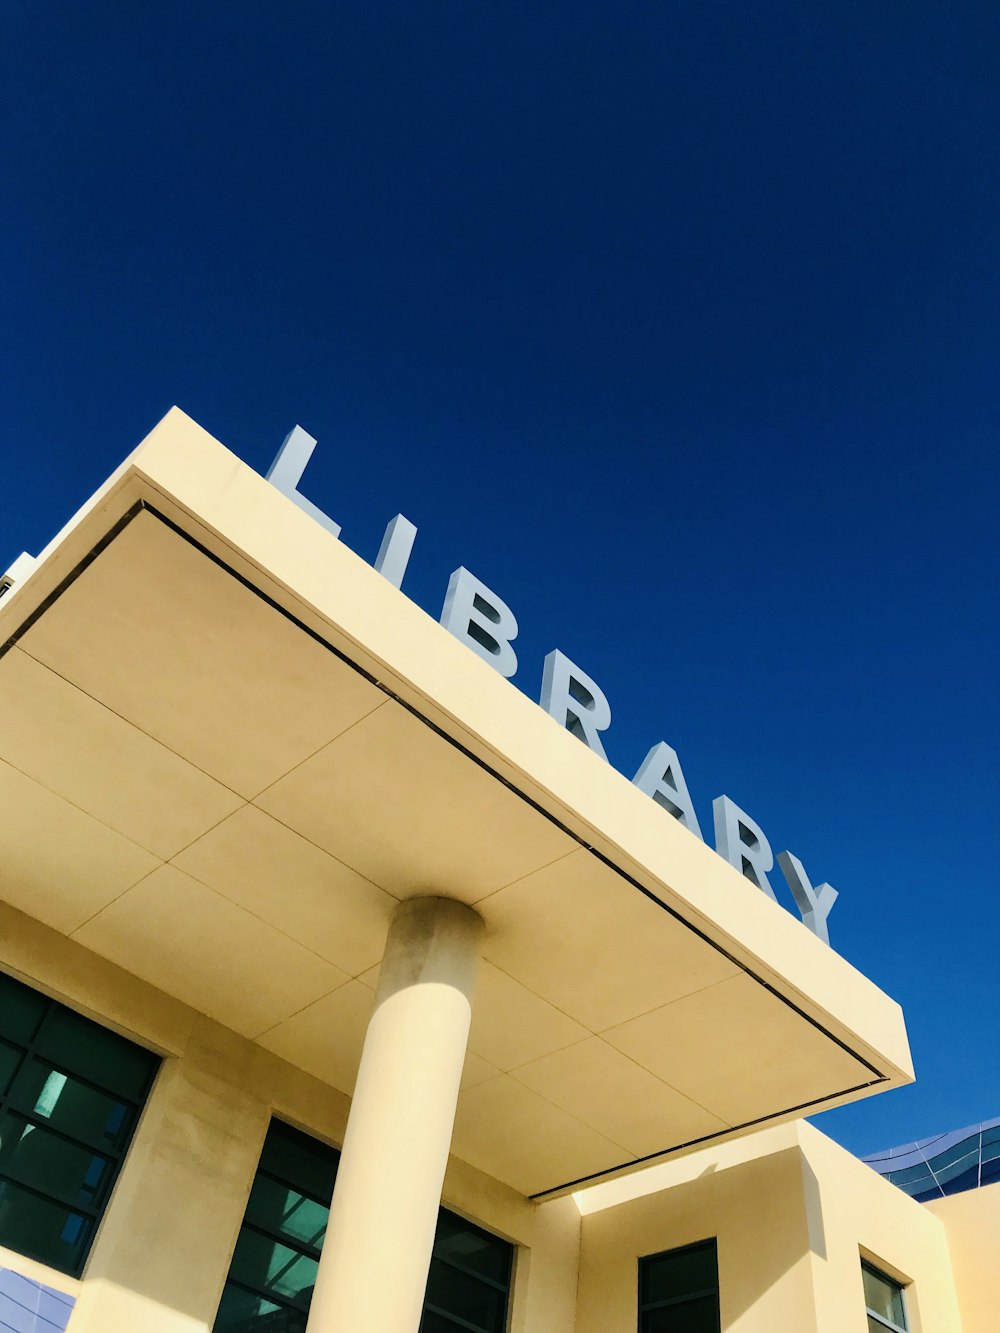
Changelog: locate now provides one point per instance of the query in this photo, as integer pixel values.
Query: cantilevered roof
(228, 747)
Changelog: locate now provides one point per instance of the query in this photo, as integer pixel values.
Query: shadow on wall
(773, 1223)
(29, 1307)
(766, 1218)
(814, 1210)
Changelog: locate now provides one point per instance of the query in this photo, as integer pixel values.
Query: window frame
(29, 1052)
(646, 1307)
(309, 1251)
(883, 1276)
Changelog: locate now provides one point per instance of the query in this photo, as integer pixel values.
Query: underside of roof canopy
(229, 747)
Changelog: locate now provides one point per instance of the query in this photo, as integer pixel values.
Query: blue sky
(676, 323)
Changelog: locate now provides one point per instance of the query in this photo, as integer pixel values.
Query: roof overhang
(229, 746)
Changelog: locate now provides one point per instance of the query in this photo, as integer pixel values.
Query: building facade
(342, 989)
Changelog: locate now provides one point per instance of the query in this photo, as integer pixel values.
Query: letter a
(662, 777)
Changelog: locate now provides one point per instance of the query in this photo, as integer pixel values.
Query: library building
(344, 990)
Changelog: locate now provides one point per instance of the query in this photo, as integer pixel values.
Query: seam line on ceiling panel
(111, 902)
(513, 1074)
(47, 666)
(322, 850)
(143, 506)
(570, 1115)
(312, 755)
(266, 1032)
(241, 907)
(678, 999)
(98, 819)
(706, 1138)
(512, 884)
(80, 809)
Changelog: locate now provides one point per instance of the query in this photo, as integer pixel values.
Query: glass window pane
(299, 1160)
(272, 1267)
(698, 1316)
(470, 1247)
(242, 1312)
(956, 1168)
(283, 1209)
(679, 1273)
(883, 1296)
(72, 1106)
(924, 1185)
(21, 1010)
(75, 1043)
(35, 1157)
(912, 1175)
(966, 1148)
(42, 1230)
(61, 1139)
(10, 1058)
(467, 1298)
(432, 1322)
(967, 1180)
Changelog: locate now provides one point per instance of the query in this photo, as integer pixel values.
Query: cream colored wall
(161, 1256)
(753, 1208)
(852, 1208)
(972, 1223)
(792, 1213)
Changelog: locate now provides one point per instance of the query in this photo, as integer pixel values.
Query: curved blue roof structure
(963, 1159)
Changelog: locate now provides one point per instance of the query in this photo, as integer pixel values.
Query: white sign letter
(574, 700)
(662, 777)
(286, 471)
(481, 620)
(742, 843)
(815, 905)
(394, 553)
(17, 573)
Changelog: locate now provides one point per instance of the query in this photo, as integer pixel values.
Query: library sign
(484, 622)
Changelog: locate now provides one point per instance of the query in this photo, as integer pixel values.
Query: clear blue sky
(677, 323)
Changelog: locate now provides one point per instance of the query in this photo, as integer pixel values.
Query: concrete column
(373, 1271)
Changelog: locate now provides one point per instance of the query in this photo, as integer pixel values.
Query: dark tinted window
(70, 1097)
(273, 1271)
(469, 1283)
(679, 1290)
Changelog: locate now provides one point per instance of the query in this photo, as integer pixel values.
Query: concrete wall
(162, 1253)
(792, 1213)
(851, 1210)
(972, 1223)
(755, 1210)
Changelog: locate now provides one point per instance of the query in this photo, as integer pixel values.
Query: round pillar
(373, 1271)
